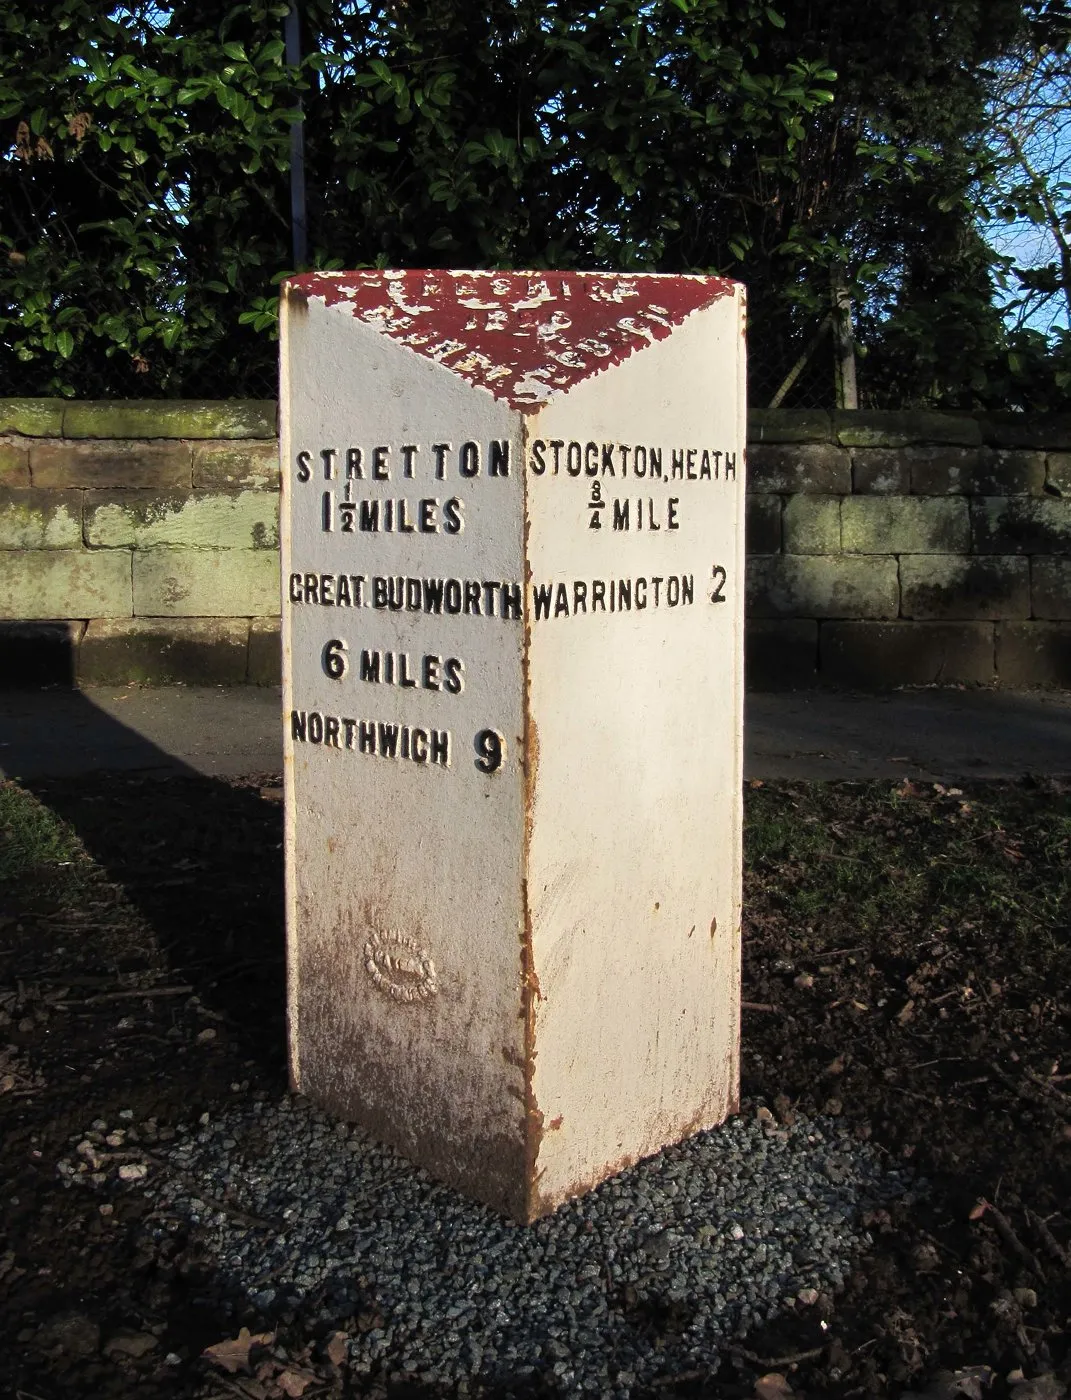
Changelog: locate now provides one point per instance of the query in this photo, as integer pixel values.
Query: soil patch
(907, 966)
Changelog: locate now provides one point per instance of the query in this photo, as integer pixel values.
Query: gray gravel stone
(717, 1233)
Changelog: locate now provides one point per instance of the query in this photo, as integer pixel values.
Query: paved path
(940, 735)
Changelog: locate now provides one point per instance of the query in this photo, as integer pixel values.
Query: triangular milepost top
(523, 336)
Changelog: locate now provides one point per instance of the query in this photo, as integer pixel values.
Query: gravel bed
(650, 1273)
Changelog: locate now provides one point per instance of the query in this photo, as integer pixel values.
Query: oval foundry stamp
(399, 966)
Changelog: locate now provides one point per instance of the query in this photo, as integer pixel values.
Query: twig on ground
(769, 1362)
(1004, 1229)
(1048, 1239)
(757, 1006)
(130, 994)
(242, 1216)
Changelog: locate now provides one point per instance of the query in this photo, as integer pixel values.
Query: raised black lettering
(472, 598)
(608, 459)
(370, 666)
(440, 449)
(452, 596)
(561, 601)
(298, 726)
(499, 458)
(388, 740)
(370, 516)
(469, 464)
(688, 588)
(598, 594)
(331, 730)
(431, 673)
(677, 464)
(380, 464)
(420, 745)
(366, 737)
(312, 588)
(409, 451)
(303, 470)
(427, 521)
(354, 470)
(452, 516)
(405, 525)
(327, 456)
(295, 589)
(344, 599)
(573, 459)
(621, 513)
(405, 680)
(538, 462)
(453, 676)
(511, 600)
(541, 595)
(433, 595)
(440, 747)
(641, 594)
(325, 511)
(316, 727)
(672, 523)
(580, 596)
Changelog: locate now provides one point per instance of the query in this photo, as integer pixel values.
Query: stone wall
(139, 541)
(908, 549)
(145, 534)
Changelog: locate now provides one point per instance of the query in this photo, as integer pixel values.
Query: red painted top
(524, 336)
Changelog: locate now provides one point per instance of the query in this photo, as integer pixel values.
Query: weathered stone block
(1021, 525)
(14, 463)
(166, 418)
(1050, 587)
(880, 654)
(202, 520)
(811, 525)
(1009, 472)
(38, 653)
(60, 583)
(817, 586)
(762, 527)
(101, 464)
(32, 417)
(1043, 431)
(812, 467)
(164, 651)
(1034, 653)
(877, 428)
(1058, 473)
(880, 471)
(206, 583)
(254, 464)
(788, 425)
(943, 470)
(780, 654)
(40, 519)
(956, 586)
(904, 525)
(265, 652)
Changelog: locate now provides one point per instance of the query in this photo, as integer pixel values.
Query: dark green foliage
(145, 184)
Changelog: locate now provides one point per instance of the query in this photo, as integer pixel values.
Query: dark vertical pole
(298, 224)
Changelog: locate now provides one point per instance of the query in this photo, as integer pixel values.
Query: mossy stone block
(879, 655)
(880, 471)
(1050, 432)
(231, 464)
(206, 583)
(64, 583)
(1058, 473)
(131, 418)
(788, 425)
(1034, 654)
(877, 428)
(14, 463)
(816, 467)
(265, 652)
(904, 525)
(821, 586)
(1021, 525)
(40, 519)
(164, 651)
(111, 463)
(197, 520)
(762, 524)
(32, 417)
(1050, 588)
(811, 525)
(940, 587)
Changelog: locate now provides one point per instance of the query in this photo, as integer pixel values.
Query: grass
(40, 853)
(899, 866)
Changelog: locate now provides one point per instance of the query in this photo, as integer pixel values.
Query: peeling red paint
(523, 336)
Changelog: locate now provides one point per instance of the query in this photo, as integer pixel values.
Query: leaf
(65, 344)
(773, 1386)
(295, 1383)
(235, 51)
(233, 1355)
